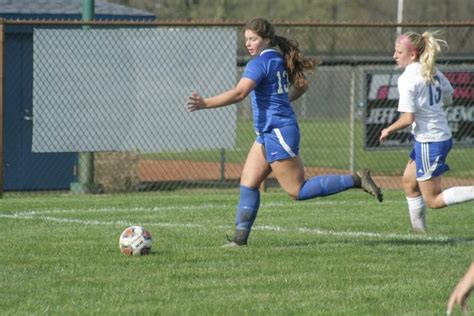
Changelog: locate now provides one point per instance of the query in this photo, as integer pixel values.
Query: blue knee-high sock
(246, 213)
(325, 185)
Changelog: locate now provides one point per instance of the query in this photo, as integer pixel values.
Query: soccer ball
(135, 241)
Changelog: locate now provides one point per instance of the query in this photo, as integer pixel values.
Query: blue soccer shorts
(280, 143)
(430, 158)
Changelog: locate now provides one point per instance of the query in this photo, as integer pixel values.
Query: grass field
(340, 255)
(326, 143)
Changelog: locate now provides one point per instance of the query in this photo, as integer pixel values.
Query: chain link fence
(101, 106)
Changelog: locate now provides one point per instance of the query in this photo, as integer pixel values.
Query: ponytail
(296, 62)
(432, 47)
(427, 48)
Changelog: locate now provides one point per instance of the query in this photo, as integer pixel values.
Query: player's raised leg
(290, 175)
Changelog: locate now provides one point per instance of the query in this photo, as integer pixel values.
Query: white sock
(417, 211)
(458, 195)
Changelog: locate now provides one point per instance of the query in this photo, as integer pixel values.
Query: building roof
(66, 7)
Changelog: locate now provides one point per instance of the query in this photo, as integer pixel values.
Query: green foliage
(326, 42)
(323, 10)
(340, 255)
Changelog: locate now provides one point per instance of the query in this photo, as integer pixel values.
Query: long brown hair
(295, 62)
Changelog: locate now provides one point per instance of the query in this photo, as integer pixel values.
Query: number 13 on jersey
(283, 82)
(435, 96)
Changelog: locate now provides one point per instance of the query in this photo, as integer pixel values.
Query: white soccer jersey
(426, 101)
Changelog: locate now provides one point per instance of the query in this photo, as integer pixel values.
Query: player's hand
(461, 292)
(383, 135)
(195, 102)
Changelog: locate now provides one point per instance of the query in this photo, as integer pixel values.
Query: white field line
(181, 208)
(92, 222)
(316, 231)
(118, 209)
(323, 232)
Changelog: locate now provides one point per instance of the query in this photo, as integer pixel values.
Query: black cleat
(366, 183)
(235, 242)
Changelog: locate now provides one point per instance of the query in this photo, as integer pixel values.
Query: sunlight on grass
(344, 254)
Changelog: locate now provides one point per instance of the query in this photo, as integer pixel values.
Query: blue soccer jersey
(270, 104)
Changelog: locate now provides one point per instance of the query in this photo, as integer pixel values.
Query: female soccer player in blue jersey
(423, 91)
(274, 78)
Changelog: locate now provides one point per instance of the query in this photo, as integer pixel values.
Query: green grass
(326, 143)
(340, 255)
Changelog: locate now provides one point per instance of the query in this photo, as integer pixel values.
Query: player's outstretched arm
(405, 120)
(242, 89)
(461, 291)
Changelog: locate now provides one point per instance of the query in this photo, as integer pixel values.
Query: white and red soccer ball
(135, 241)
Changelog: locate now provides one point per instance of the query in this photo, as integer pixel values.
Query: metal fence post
(86, 182)
(352, 118)
(2, 40)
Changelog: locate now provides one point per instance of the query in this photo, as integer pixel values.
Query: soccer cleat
(366, 183)
(233, 244)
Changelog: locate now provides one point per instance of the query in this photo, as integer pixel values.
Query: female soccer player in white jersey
(274, 78)
(423, 91)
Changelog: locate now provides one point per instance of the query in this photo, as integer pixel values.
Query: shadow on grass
(416, 241)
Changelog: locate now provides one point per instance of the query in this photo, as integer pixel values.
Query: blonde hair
(427, 47)
(295, 62)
